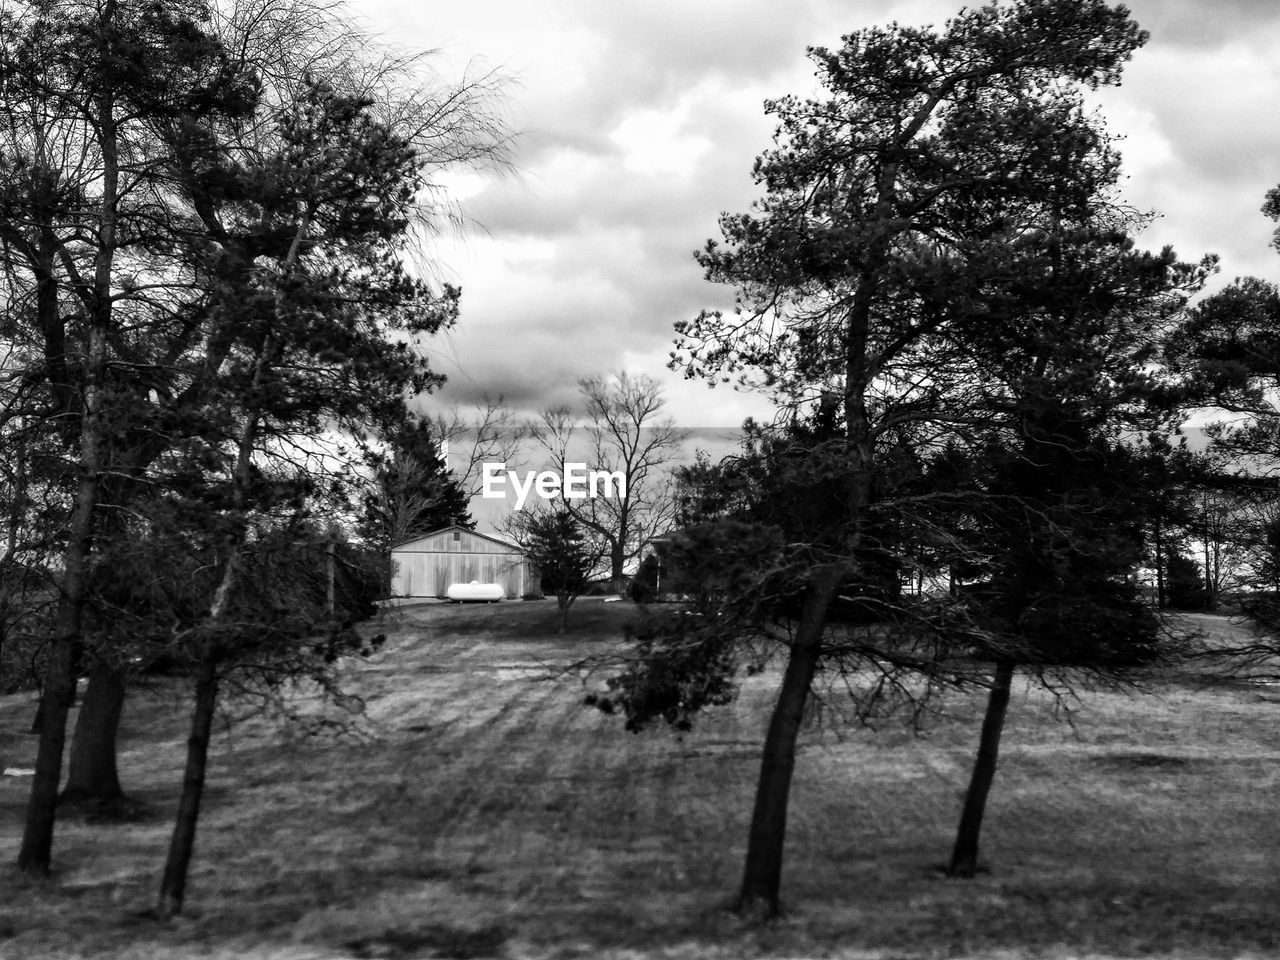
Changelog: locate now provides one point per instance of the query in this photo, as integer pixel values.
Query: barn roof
(470, 533)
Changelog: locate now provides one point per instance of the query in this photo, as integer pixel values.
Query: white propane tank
(475, 591)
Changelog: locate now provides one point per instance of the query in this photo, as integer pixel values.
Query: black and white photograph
(572, 480)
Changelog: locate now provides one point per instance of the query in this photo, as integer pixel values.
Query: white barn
(427, 566)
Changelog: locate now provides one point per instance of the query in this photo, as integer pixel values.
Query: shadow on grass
(130, 809)
(516, 620)
(437, 940)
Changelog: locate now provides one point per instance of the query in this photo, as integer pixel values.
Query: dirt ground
(484, 812)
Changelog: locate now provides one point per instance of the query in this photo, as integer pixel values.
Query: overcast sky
(639, 122)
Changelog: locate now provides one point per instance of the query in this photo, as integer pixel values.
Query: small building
(428, 565)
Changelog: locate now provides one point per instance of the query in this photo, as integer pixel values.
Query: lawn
(484, 812)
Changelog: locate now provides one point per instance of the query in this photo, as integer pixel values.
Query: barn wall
(442, 542)
(422, 574)
(426, 567)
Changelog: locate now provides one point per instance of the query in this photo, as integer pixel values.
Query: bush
(643, 588)
(1184, 584)
(683, 663)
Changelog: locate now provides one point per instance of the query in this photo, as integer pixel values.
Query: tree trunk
(59, 688)
(1209, 603)
(1161, 600)
(758, 898)
(93, 777)
(964, 856)
(617, 561)
(76, 656)
(37, 720)
(174, 885)
(36, 851)
(331, 547)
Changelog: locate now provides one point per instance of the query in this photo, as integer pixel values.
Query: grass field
(489, 814)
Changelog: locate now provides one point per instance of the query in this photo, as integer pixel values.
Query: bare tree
(626, 435)
(1224, 526)
(489, 433)
(402, 495)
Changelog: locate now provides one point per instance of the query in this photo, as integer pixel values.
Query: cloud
(1193, 23)
(640, 123)
(1200, 150)
(1209, 106)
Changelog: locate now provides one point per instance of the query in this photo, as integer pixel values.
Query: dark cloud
(661, 47)
(641, 122)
